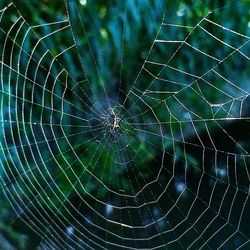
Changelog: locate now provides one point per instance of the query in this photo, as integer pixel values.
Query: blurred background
(103, 63)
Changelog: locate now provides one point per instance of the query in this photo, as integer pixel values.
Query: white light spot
(180, 187)
(180, 12)
(221, 172)
(248, 24)
(13, 18)
(83, 2)
(109, 209)
(70, 230)
(104, 33)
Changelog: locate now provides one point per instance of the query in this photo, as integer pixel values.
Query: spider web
(159, 164)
